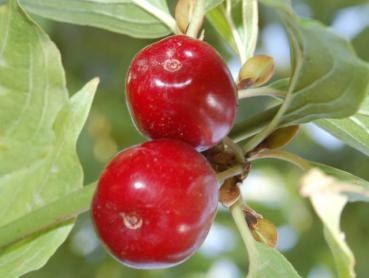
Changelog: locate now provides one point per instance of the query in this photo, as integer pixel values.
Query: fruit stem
(197, 19)
(164, 17)
(60, 212)
(236, 149)
(261, 91)
(283, 155)
(230, 172)
(247, 238)
(236, 36)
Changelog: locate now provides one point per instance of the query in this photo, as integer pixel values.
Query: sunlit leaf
(121, 16)
(218, 20)
(39, 127)
(329, 190)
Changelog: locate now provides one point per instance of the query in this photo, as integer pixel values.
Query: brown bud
(229, 193)
(262, 229)
(265, 231)
(220, 158)
(281, 137)
(256, 71)
(183, 13)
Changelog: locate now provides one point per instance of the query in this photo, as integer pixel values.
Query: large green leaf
(331, 83)
(120, 16)
(329, 190)
(39, 126)
(354, 130)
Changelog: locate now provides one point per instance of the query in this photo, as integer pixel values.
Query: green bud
(256, 71)
(281, 137)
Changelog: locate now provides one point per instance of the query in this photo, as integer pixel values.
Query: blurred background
(272, 187)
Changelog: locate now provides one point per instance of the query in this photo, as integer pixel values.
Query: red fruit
(155, 203)
(180, 88)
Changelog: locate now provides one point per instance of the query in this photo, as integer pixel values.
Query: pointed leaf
(39, 127)
(218, 20)
(268, 262)
(121, 16)
(329, 190)
(354, 130)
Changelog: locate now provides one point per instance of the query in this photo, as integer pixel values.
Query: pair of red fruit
(155, 202)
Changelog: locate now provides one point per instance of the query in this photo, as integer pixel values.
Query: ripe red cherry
(155, 203)
(180, 88)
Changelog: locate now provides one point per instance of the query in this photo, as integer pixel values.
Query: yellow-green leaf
(39, 127)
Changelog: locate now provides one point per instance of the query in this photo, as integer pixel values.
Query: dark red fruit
(155, 203)
(180, 88)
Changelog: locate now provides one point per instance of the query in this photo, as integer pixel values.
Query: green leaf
(361, 42)
(332, 82)
(121, 16)
(218, 20)
(211, 4)
(53, 214)
(283, 5)
(354, 130)
(268, 262)
(327, 10)
(329, 190)
(39, 126)
(240, 31)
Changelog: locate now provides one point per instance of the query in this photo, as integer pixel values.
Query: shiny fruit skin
(155, 203)
(180, 88)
